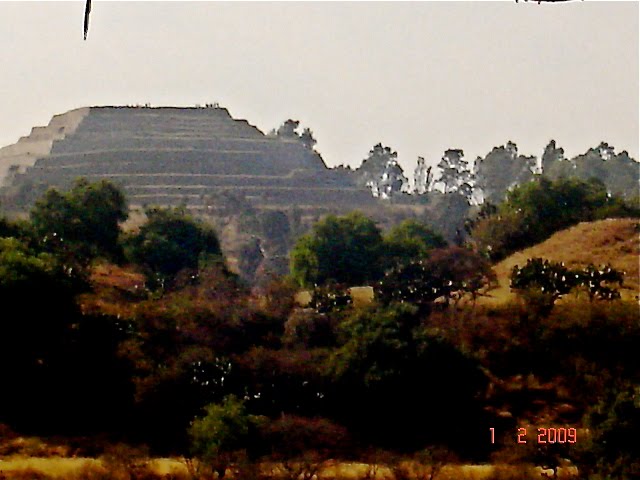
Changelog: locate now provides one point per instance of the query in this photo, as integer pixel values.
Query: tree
(38, 298)
(534, 211)
(462, 271)
(221, 433)
(181, 352)
(411, 240)
(618, 172)
(552, 154)
(283, 381)
(345, 249)
(307, 139)
(422, 177)
(455, 171)
(381, 172)
(83, 223)
(542, 283)
(170, 241)
(447, 273)
(20, 229)
(501, 170)
(303, 445)
(598, 282)
(610, 450)
(389, 384)
(289, 130)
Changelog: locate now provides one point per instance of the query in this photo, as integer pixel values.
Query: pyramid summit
(171, 156)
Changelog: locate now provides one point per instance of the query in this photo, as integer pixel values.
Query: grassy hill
(613, 241)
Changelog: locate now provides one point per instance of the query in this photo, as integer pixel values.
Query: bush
(534, 211)
(410, 240)
(542, 282)
(308, 329)
(611, 450)
(291, 436)
(169, 242)
(39, 310)
(345, 250)
(390, 387)
(83, 223)
(219, 437)
(448, 273)
(302, 446)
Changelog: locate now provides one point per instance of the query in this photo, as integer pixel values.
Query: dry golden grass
(303, 298)
(361, 295)
(613, 241)
(67, 468)
(54, 467)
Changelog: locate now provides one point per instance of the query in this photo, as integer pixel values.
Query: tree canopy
(170, 241)
(38, 308)
(448, 272)
(386, 366)
(411, 240)
(381, 172)
(82, 223)
(534, 211)
(346, 249)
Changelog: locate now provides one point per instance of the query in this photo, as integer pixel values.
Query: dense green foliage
(612, 451)
(618, 171)
(351, 250)
(83, 223)
(37, 297)
(446, 274)
(224, 428)
(344, 249)
(534, 211)
(542, 282)
(46, 345)
(389, 369)
(410, 240)
(171, 241)
(234, 376)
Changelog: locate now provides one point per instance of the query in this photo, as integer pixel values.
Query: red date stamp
(544, 435)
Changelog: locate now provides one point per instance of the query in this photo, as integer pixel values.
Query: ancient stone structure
(260, 191)
(171, 156)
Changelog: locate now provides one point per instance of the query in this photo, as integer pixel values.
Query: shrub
(83, 223)
(410, 240)
(306, 328)
(448, 273)
(344, 250)
(219, 437)
(171, 241)
(390, 387)
(534, 211)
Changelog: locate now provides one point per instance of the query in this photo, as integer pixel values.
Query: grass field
(613, 241)
(78, 468)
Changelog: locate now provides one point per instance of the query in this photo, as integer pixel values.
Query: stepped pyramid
(171, 156)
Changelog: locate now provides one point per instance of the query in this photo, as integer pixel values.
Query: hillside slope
(613, 241)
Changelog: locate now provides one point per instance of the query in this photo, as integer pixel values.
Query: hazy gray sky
(419, 77)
